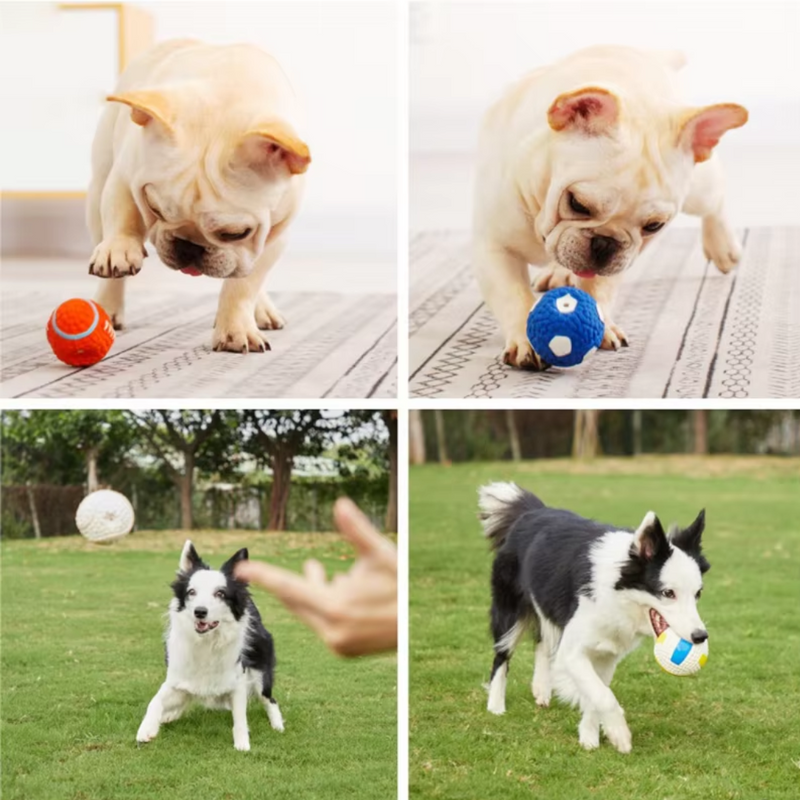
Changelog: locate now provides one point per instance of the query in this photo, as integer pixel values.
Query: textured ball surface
(80, 332)
(677, 656)
(104, 516)
(565, 326)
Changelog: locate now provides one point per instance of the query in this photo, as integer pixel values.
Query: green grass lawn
(733, 731)
(82, 655)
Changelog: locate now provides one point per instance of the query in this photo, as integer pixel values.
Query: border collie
(589, 592)
(217, 649)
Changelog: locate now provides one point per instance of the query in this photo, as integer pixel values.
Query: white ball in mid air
(677, 656)
(104, 516)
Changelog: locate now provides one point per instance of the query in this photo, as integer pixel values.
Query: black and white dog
(589, 592)
(217, 649)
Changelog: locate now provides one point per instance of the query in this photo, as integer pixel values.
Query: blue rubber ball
(565, 326)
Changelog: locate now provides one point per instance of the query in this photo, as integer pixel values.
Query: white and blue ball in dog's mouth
(677, 656)
(565, 326)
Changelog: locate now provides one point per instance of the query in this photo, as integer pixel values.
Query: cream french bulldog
(581, 164)
(198, 152)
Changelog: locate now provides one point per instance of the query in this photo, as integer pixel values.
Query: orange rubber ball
(80, 332)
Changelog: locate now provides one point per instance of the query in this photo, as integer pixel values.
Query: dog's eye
(699, 592)
(191, 593)
(653, 227)
(227, 236)
(669, 594)
(220, 594)
(578, 207)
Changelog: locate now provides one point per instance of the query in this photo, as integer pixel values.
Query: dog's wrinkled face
(616, 179)
(207, 597)
(665, 575)
(210, 193)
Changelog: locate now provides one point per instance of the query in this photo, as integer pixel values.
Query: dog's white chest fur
(205, 666)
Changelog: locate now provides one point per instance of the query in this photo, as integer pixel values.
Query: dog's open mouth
(191, 271)
(201, 626)
(658, 622)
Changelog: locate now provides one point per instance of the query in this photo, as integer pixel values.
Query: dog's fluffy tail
(500, 505)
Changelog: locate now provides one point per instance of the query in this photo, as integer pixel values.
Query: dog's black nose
(187, 252)
(603, 248)
(699, 636)
(200, 612)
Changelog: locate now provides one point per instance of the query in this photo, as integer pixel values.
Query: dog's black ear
(190, 560)
(689, 538)
(650, 541)
(239, 555)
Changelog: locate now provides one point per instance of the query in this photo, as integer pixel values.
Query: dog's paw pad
(239, 339)
(521, 355)
(268, 318)
(613, 337)
(554, 277)
(119, 257)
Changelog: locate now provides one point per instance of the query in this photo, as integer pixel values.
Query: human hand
(355, 613)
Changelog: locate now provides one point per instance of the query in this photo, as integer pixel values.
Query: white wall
(341, 59)
(463, 54)
(340, 56)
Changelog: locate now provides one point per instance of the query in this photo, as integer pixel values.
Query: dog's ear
(271, 144)
(239, 555)
(689, 538)
(591, 110)
(148, 108)
(650, 541)
(700, 129)
(189, 559)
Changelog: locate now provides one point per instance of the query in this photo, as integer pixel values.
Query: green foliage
(729, 732)
(52, 446)
(483, 435)
(83, 655)
(143, 454)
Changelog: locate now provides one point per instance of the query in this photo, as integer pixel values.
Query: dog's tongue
(586, 275)
(191, 271)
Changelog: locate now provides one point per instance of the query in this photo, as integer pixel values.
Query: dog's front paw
(274, 715)
(117, 257)
(589, 732)
(613, 337)
(241, 741)
(720, 245)
(238, 334)
(148, 730)
(520, 354)
(542, 693)
(268, 318)
(618, 733)
(554, 277)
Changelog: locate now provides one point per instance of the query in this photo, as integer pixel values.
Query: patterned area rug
(693, 332)
(335, 345)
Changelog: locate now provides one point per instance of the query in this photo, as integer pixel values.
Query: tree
(700, 426)
(65, 447)
(390, 421)
(441, 436)
(586, 438)
(416, 437)
(185, 440)
(276, 438)
(513, 435)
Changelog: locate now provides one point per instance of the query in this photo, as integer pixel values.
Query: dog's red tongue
(191, 271)
(586, 275)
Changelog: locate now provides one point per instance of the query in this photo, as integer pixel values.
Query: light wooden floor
(693, 332)
(336, 344)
